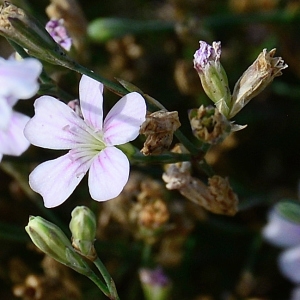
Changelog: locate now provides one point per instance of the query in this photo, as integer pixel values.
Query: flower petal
(6, 112)
(19, 77)
(280, 231)
(55, 125)
(289, 264)
(108, 174)
(122, 123)
(56, 179)
(12, 140)
(91, 101)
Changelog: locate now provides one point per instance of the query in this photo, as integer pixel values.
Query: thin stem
(107, 278)
(146, 254)
(99, 284)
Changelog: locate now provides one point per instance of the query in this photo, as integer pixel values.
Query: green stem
(146, 254)
(107, 278)
(99, 284)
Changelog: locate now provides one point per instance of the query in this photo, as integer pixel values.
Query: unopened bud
(209, 125)
(51, 240)
(59, 33)
(255, 79)
(156, 285)
(212, 75)
(83, 228)
(159, 128)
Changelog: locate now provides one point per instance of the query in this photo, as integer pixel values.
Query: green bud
(51, 240)
(83, 228)
(212, 75)
(27, 32)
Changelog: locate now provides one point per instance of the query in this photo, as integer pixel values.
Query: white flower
(90, 140)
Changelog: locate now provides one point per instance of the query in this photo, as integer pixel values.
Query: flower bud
(59, 33)
(51, 240)
(27, 32)
(156, 285)
(212, 75)
(255, 79)
(209, 125)
(83, 228)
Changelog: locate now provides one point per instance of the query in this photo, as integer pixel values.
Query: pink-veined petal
(6, 112)
(108, 174)
(55, 180)
(122, 123)
(19, 77)
(91, 101)
(55, 125)
(12, 140)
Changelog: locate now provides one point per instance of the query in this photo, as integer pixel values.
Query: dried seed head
(255, 79)
(209, 125)
(159, 128)
(217, 197)
(225, 200)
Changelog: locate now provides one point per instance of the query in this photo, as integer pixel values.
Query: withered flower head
(225, 200)
(159, 128)
(217, 197)
(255, 79)
(209, 125)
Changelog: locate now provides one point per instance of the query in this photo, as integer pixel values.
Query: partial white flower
(18, 81)
(90, 140)
(289, 264)
(281, 231)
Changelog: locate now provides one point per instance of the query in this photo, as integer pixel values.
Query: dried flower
(212, 75)
(217, 197)
(255, 79)
(159, 128)
(209, 125)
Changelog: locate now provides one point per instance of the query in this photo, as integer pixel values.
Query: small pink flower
(18, 81)
(90, 140)
(59, 33)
